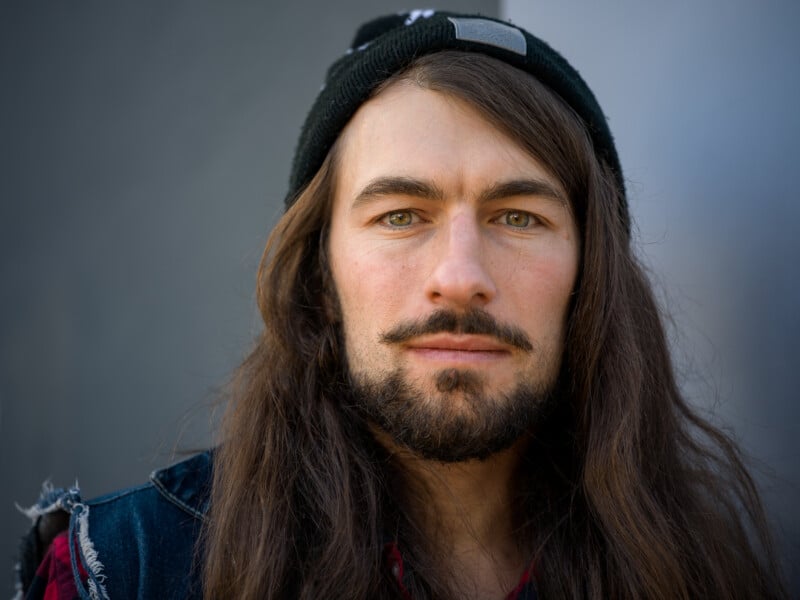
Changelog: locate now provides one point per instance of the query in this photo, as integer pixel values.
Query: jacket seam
(175, 500)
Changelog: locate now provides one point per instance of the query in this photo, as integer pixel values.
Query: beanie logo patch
(424, 13)
(490, 33)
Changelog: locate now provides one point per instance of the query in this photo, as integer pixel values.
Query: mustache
(475, 321)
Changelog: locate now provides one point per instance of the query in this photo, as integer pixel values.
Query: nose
(460, 278)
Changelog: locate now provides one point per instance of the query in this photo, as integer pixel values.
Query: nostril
(460, 284)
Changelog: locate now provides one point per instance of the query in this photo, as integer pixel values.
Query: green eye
(517, 219)
(400, 219)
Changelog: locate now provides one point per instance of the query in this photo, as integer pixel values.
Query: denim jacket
(138, 542)
(141, 542)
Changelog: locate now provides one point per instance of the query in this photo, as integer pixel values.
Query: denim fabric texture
(139, 540)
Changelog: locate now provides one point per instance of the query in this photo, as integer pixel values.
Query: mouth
(457, 348)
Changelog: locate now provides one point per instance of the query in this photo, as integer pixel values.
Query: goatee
(461, 420)
(461, 423)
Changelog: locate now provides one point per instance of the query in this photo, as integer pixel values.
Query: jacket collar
(187, 484)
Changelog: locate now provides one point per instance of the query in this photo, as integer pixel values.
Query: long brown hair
(625, 491)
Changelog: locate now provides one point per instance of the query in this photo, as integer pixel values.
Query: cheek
(369, 294)
(542, 289)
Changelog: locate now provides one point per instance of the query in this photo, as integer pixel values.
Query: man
(463, 387)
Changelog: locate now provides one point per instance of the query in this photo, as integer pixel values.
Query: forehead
(408, 130)
(405, 109)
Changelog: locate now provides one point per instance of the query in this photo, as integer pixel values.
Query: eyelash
(532, 219)
(384, 219)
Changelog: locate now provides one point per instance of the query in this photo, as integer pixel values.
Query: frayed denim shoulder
(138, 542)
(52, 499)
(81, 549)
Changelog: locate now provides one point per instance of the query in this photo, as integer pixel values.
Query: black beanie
(386, 45)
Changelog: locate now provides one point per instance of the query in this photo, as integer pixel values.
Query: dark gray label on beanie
(490, 33)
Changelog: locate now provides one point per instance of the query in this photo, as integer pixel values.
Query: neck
(465, 512)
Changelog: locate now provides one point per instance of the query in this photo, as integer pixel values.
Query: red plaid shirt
(53, 579)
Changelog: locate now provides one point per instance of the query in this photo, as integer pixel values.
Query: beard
(461, 423)
(460, 420)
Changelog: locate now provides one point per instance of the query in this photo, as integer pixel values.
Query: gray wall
(703, 100)
(144, 154)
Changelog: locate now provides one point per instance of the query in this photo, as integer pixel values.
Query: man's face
(453, 254)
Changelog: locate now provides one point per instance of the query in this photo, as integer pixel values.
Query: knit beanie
(386, 45)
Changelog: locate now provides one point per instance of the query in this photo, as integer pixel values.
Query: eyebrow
(523, 187)
(398, 186)
(418, 188)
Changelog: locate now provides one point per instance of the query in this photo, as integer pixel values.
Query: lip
(458, 348)
(463, 343)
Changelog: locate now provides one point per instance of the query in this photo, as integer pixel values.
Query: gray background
(144, 153)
